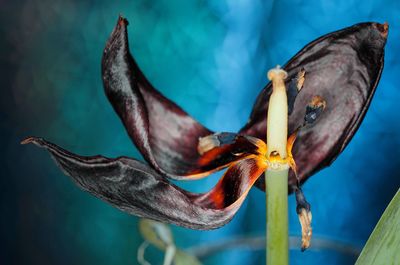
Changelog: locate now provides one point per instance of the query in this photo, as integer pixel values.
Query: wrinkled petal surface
(166, 136)
(342, 67)
(137, 189)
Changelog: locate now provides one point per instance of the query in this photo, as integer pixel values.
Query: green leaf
(383, 246)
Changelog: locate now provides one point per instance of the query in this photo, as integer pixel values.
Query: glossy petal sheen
(137, 189)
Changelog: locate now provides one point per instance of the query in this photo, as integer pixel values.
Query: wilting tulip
(342, 70)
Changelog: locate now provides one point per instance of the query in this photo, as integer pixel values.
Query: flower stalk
(277, 217)
(276, 177)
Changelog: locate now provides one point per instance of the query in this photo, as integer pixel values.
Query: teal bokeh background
(210, 58)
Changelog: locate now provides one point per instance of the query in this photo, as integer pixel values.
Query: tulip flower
(330, 84)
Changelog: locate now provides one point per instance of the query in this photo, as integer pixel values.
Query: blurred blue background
(211, 57)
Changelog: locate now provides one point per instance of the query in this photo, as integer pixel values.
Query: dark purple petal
(137, 189)
(165, 135)
(344, 68)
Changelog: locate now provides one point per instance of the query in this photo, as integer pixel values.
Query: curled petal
(342, 67)
(137, 189)
(233, 187)
(166, 136)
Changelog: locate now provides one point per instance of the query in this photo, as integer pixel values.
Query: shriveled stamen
(314, 109)
(211, 141)
(289, 147)
(300, 79)
(207, 143)
(305, 218)
(317, 102)
(303, 210)
(295, 85)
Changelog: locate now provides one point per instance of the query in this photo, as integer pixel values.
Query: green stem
(277, 217)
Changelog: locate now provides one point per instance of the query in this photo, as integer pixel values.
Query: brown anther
(305, 218)
(300, 79)
(314, 109)
(317, 102)
(303, 209)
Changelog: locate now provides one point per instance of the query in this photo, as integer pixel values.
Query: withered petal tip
(33, 140)
(383, 28)
(122, 21)
(28, 140)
